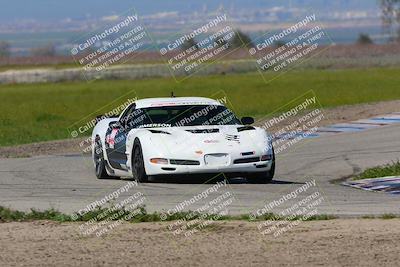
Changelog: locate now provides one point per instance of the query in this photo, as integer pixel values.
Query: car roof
(175, 101)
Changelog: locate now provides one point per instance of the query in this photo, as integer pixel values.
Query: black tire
(100, 163)
(138, 169)
(263, 177)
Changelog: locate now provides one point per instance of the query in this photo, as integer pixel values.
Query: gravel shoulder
(72, 146)
(341, 242)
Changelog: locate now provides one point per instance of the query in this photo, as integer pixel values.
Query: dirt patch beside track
(68, 146)
(342, 242)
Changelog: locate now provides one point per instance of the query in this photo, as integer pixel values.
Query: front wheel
(263, 177)
(139, 172)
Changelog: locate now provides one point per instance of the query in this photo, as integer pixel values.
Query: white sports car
(180, 136)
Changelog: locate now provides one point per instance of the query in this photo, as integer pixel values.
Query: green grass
(9, 215)
(40, 112)
(386, 216)
(392, 169)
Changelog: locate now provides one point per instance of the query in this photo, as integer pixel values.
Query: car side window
(135, 119)
(125, 116)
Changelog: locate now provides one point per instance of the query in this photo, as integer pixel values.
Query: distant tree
(47, 50)
(391, 17)
(364, 39)
(188, 44)
(241, 39)
(4, 49)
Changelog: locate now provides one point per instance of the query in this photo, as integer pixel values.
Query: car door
(116, 141)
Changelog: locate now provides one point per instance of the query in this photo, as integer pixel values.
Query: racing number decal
(110, 139)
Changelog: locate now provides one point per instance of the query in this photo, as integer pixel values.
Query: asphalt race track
(68, 183)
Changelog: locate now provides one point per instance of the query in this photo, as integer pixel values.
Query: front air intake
(183, 162)
(246, 160)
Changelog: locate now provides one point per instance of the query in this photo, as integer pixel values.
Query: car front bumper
(172, 169)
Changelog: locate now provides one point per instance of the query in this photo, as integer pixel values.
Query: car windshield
(179, 116)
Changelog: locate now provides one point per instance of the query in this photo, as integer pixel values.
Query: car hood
(207, 139)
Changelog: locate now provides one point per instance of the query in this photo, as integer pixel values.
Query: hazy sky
(59, 9)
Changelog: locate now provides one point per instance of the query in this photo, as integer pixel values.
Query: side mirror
(247, 120)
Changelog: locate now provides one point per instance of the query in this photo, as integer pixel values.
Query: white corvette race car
(181, 136)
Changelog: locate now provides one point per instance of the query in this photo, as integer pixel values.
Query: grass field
(40, 112)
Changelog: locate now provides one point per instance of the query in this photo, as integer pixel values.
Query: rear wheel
(99, 161)
(139, 172)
